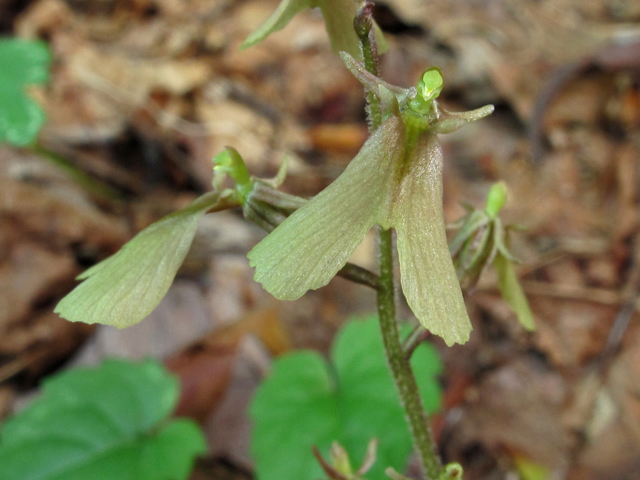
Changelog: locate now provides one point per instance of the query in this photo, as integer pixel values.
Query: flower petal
(309, 247)
(429, 280)
(126, 287)
(452, 121)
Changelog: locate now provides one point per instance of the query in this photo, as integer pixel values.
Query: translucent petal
(429, 280)
(310, 246)
(126, 287)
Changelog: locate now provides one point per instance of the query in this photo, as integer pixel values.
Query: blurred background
(144, 93)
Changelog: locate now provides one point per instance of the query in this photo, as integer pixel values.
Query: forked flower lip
(395, 181)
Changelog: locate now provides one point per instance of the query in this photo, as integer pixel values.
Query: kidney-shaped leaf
(307, 401)
(126, 287)
(105, 423)
(22, 63)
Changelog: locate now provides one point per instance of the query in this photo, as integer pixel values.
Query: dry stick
(403, 376)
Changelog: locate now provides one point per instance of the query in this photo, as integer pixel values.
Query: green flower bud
(496, 198)
(453, 471)
(229, 162)
(482, 241)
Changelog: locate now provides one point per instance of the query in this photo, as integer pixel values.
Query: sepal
(451, 121)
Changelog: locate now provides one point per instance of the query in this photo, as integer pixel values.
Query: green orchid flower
(126, 287)
(394, 181)
(482, 241)
(338, 18)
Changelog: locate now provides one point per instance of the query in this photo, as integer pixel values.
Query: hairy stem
(413, 341)
(403, 376)
(363, 25)
(86, 181)
(360, 275)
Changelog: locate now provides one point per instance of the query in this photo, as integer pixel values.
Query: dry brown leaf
(30, 274)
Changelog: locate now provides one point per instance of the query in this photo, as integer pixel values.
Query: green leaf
(338, 16)
(103, 423)
(307, 401)
(126, 287)
(512, 291)
(294, 409)
(22, 63)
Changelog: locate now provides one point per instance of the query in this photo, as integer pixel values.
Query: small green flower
(338, 17)
(394, 181)
(482, 241)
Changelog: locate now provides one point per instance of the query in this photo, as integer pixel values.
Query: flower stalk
(403, 376)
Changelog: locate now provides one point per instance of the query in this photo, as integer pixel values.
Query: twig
(413, 341)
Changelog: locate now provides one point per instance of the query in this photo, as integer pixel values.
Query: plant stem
(363, 25)
(403, 376)
(400, 368)
(86, 181)
(413, 341)
(360, 275)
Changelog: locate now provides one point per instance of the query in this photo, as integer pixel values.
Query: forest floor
(144, 93)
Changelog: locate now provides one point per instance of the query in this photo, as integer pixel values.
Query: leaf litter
(151, 131)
